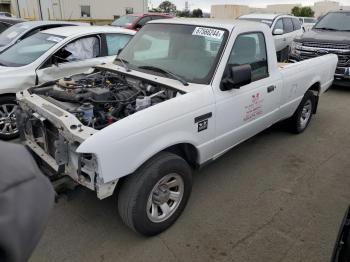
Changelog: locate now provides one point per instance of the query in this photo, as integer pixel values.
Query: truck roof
(228, 24)
(68, 31)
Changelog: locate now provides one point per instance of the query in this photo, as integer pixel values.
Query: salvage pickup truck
(180, 94)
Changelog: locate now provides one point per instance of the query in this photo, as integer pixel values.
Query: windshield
(28, 50)
(339, 21)
(12, 33)
(124, 20)
(187, 51)
(261, 20)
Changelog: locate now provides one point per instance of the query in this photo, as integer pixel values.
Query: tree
(296, 11)
(303, 11)
(184, 13)
(197, 13)
(167, 7)
(307, 12)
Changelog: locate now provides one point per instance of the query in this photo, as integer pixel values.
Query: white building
(228, 11)
(323, 7)
(76, 9)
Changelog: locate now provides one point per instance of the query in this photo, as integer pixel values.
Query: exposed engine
(103, 97)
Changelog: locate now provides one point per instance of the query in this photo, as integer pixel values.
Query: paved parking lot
(277, 197)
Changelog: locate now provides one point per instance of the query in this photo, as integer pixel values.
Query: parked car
(331, 35)
(307, 23)
(144, 121)
(6, 22)
(49, 55)
(23, 30)
(6, 14)
(137, 21)
(284, 29)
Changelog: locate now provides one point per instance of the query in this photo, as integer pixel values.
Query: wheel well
(186, 151)
(315, 88)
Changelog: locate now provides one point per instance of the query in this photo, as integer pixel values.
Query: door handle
(271, 89)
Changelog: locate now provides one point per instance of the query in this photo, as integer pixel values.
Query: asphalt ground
(276, 197)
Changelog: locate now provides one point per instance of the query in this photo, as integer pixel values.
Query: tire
(144, 192)
(303, 115)
(8, 125)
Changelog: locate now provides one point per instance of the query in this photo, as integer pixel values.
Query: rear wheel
(153, 198)
(303, 115)
(8, 125)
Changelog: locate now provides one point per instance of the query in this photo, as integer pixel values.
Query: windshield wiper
(164, 71)
(124, 62)
(326, 28)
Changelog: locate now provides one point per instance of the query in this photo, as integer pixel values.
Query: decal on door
(254, 109)
(203, 125)
(203, 121)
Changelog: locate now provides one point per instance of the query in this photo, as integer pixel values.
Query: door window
(296, 24)
(288, 25)
(116, 42)
(279, 25)
(251, 49)
(81, 49)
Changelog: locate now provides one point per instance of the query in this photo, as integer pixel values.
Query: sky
(205, 4)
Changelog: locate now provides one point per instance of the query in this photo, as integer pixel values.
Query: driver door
(246, 110)
(76, 57)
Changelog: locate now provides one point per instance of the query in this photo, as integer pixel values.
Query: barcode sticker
(208, 32)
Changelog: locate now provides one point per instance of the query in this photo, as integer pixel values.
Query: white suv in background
(307, 23)
(284, 29)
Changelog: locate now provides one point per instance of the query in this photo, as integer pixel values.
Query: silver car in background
(50, 55)
(18, 32)
(307, 23)
(284, 29)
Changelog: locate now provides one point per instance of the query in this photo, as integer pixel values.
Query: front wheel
(8, 125)
(153, 198)
(303, 115)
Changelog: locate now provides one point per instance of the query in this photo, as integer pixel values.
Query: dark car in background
(331, 35)
(6, 14)
(137, 21)
(6, 22)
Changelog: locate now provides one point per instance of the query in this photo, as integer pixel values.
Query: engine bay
(103, 97)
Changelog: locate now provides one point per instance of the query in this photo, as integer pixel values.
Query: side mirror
(278, 31)
(236, 77)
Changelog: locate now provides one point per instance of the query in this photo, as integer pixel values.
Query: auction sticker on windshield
(208, 32)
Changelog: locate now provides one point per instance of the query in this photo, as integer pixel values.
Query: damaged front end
(55, 118)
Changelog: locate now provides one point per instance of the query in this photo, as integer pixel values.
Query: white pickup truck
(179, 95)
